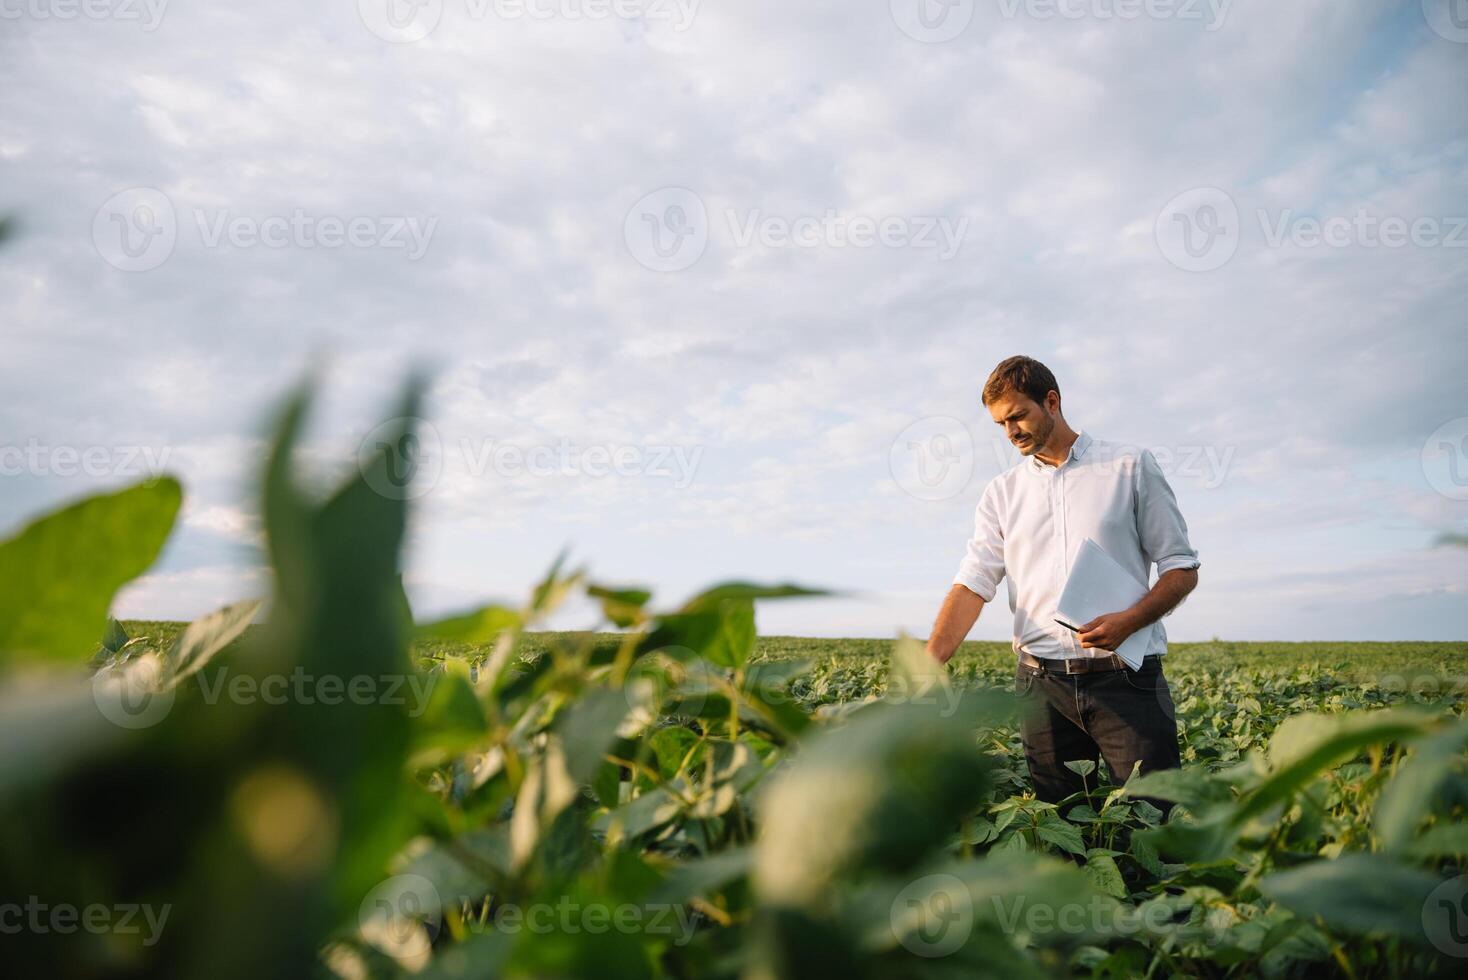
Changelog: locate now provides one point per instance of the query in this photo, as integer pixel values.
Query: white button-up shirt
(1032, 519)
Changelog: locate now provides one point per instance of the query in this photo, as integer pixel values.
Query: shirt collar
(1077, 450)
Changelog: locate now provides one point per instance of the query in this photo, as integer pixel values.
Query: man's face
(1027, 423)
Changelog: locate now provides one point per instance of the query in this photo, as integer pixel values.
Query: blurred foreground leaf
(59, 574)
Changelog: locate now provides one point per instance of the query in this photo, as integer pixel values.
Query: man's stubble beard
(1041, 438)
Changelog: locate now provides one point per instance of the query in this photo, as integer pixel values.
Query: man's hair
(1021, 374)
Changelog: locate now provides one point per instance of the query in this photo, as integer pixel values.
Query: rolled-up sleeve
(982, 568)
(1160, 525)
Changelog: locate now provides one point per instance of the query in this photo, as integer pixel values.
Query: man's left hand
(1107, 632)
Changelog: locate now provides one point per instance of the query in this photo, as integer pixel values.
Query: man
(1078, 698)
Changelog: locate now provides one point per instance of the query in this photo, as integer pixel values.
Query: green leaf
(587, 727)
(1440, 840)
(1193, 786)
(1360, 893)
(647, 812)
(207, 635)
(881, 791)
(734, 641)
(622, 606)
(59, 574)
(1145, 853)
(114, 638)
(1408, 798)
(775, 709)
(700, 877)
(747, 591)
(1103, 873)
(1066, 836)
(337, 613)
(1082, 767)
(1306, 745)
(476, 626)
(452, 720)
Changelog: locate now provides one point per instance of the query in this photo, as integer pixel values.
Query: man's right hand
(960, 611)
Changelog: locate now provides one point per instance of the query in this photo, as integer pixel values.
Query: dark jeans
(1126, 717)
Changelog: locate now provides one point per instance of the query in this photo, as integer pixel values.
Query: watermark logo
(1201, 229)
(1445, 459)
(1445, 916)
(667, 230)
(400, 21)
(401, 916)
(1198, 230)
(135, 230)
(662, 680)
(933, 916)
(1448, 18)
(932, 21)
(401, 459)
(133, 695)
(933, 458)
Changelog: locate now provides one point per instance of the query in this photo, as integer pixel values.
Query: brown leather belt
(1072, 665)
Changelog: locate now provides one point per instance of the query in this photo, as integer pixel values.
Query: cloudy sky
(708, 289)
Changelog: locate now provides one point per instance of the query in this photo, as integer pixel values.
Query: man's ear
(1052, 401)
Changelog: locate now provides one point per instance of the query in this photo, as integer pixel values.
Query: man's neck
(1057, 449)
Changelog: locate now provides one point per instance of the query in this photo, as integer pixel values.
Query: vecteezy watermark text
(39, 917)
(137, 230)
(405, 458)
(669, 230)
(39, 459)
(566, 458)
(1202, 229)
(402, 914)
(936, 21)
(149, 13)
(934, 459)
(407, 21)
(140, 695)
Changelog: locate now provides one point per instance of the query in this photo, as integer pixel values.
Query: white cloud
(1318, 372)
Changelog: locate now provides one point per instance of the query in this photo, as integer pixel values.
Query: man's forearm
(1171, 588)
(960, 611)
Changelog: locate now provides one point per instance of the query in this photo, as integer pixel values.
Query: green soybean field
(318, 783)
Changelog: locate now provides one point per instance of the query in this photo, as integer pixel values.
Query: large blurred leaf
(1409, 796)
(1359, 893)
(1306, 745)
(338, 614)
(59, 574)
(878, 792)
(1302, 748)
